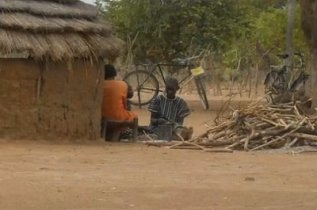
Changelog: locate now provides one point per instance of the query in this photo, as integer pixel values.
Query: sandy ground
(119, 176)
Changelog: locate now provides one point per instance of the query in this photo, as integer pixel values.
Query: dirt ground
(116, 176)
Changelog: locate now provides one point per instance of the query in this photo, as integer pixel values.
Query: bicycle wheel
(202, 92)
(144, 85)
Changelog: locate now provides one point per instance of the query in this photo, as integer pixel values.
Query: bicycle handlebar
(285, 56)
(184, 61)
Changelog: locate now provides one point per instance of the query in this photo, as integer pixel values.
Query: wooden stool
(105, 123)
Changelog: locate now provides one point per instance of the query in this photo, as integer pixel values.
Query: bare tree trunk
(313, 78)
(309, 18)
(290, 29)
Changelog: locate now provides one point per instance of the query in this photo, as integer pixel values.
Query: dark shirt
(173, 110)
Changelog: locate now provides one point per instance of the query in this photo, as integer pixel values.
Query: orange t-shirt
(114, 101)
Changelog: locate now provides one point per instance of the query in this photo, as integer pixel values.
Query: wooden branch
(185, 147)
(159, 144)
(219, 150)
(297, 112)
(304, 136)
(280, 137)
(183, 143)
(271, 122)
(147, 136)
(236, 143)
(188, 144)
(293, 142)
(205, 134)
(246, 143)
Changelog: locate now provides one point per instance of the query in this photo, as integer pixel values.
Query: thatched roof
(55, 29)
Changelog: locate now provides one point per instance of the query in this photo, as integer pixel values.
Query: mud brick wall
(50, 100)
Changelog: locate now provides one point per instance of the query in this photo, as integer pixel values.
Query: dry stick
(207, 126)
(217, 143)
(289, 104)
(147, 136)
(283, 122)
(269, 132)
(255, 143)
(183, 143)
(297, 112)
(227, 134)
(210, 130)
(285, 116)
(263, 125)
(293, 142)
(159, 144)
(218, 135)
(279, 109)
(219, 150)
(236, 143)
(280, 137)
(246, 143)
(222, 141)
(271, 122)
(186, 147)
(304, 136)
(169, 143)
(256, 103)
(310, 124)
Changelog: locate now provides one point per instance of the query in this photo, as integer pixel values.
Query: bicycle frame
(149, 80)
(279, 80)
(183, 81)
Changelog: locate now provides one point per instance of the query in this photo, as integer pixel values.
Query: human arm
(155, 109)
(156, 119)
(125, 95)
(182, 112)
(130, 92)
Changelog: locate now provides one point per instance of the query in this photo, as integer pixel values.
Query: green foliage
(231, 29)
(176, 27)
(271, 29)
(269, 25)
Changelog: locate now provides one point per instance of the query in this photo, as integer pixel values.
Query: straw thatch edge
(27, 22)
(50, 9)
(59, 46)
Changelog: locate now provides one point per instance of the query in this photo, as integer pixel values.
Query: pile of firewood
(259, 126)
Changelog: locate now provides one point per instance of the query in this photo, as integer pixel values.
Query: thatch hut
(51, 57)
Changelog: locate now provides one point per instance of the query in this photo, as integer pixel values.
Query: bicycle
(146, 84)
(279, 82)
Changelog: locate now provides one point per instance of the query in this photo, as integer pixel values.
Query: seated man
(114, 102)
(168, 109)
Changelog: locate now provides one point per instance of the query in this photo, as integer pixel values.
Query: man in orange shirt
(114, 103)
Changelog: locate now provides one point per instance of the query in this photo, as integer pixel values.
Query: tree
(172, 28)
(232, 30)
(309, 17)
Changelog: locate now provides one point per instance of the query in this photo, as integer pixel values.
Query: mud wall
(50, 100)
